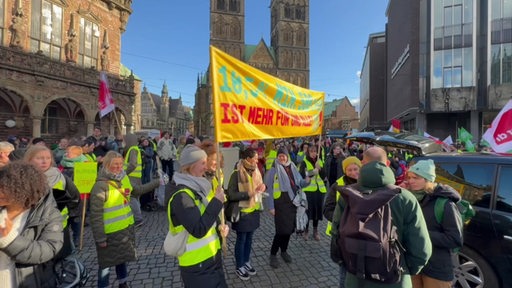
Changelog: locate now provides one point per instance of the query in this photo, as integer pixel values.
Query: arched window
(234, 6)
(221, 5)
(287, 12)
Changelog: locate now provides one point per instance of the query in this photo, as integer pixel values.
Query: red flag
(395, 126)
(499, 135)
(105, 101)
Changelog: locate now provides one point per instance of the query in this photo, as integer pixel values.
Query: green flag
(466, 137)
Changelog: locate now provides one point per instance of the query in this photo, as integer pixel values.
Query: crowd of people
(279, 176)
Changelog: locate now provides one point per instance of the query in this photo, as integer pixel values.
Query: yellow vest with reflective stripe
(276, 188)
(117, 214)
(197, 249)
(215, 184)
(340, 182)
(91, 157)
(316, 182)
(269, 160)
(137, 172)
(64, 212)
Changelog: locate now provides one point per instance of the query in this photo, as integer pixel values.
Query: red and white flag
(395, 126)
(105, 101)
(499, 135)
(444, 144)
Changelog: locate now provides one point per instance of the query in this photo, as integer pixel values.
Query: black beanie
(282, 150)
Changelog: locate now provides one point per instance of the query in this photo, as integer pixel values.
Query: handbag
(176, 244)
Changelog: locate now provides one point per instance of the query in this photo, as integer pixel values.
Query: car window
(473, 181)
(504, 189)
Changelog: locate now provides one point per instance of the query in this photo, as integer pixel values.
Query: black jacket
(444, 236)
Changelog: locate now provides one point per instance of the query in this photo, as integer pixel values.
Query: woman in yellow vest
(64, 190)
(111, 218)
(313, 167)
(212, 166)
(190, 209)
(283, 182)
(245, 203)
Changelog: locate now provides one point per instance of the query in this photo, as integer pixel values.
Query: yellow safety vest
(197, 249)
(340, 182)
(137, 172)
(215, 184)
(269, 160)
(316, 182)
(64, 212)
(117, 214)
(91, 157)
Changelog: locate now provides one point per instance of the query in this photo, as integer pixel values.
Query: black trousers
(280, 242)
(168, 167)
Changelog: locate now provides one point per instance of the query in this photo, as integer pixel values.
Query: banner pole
(82, 224)
(117, 121)
(222, 220)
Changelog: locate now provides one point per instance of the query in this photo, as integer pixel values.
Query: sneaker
(274, 263)
(242, 274)
(249, 269)
(286, 257)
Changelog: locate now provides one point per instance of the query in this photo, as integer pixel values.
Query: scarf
(349, 180)
(284, 179)
(200, 185)
(53, 175)
(112, 176)
(249, 177)
(70, 162)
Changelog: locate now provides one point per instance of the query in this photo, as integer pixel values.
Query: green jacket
(407, 217)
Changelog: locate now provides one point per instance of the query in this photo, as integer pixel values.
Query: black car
(485, 180)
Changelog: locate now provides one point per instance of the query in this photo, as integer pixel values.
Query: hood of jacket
(446, 191)
(375, 174)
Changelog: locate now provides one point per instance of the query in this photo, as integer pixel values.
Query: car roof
(468, 157)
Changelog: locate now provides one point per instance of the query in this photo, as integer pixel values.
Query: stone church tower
(287, 57)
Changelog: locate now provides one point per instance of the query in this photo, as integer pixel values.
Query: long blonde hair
(33, 150)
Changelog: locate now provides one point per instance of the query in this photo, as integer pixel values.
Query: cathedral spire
(165, 91)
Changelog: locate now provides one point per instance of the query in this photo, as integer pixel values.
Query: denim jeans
(104, 274)
(243, 248)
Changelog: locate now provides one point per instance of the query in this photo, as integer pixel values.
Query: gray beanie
(425, 169)
(191, 154)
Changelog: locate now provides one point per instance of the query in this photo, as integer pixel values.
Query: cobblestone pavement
(311, 266)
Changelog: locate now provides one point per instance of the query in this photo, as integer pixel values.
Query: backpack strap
(439, 208)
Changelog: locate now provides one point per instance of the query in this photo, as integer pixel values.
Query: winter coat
(445, 236)
(121, 244)
(36, 246)
(247, 222)
(408, 219)
(333, 167)
(330, 199)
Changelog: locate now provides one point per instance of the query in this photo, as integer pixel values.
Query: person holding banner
(283, 182)
(189, 209)
(111, 218)
(64, 190)
(313, 167)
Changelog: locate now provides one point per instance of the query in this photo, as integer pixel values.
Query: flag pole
(222, 220)
(117, 122)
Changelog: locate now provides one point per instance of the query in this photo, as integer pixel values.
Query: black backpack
(368, 240)
(70, 272)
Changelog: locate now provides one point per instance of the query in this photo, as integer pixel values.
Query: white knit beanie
(191, 154)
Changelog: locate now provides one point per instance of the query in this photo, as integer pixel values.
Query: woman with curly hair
(30, 228)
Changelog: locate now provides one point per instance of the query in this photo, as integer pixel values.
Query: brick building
(340, 114)
(51, 53)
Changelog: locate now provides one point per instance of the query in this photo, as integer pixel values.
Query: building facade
(51, 54)
(372, 115)
(449, 64)
(340, 115)
(163, 113)
(287, 57)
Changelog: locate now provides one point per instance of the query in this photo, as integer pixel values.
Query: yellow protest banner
(85, 176)
(250, 104)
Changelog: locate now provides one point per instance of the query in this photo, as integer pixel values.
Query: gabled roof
(125, 72)
(330, 107)
(261, 47)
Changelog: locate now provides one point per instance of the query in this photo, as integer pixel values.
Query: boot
(315, 234)
(305, 234)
